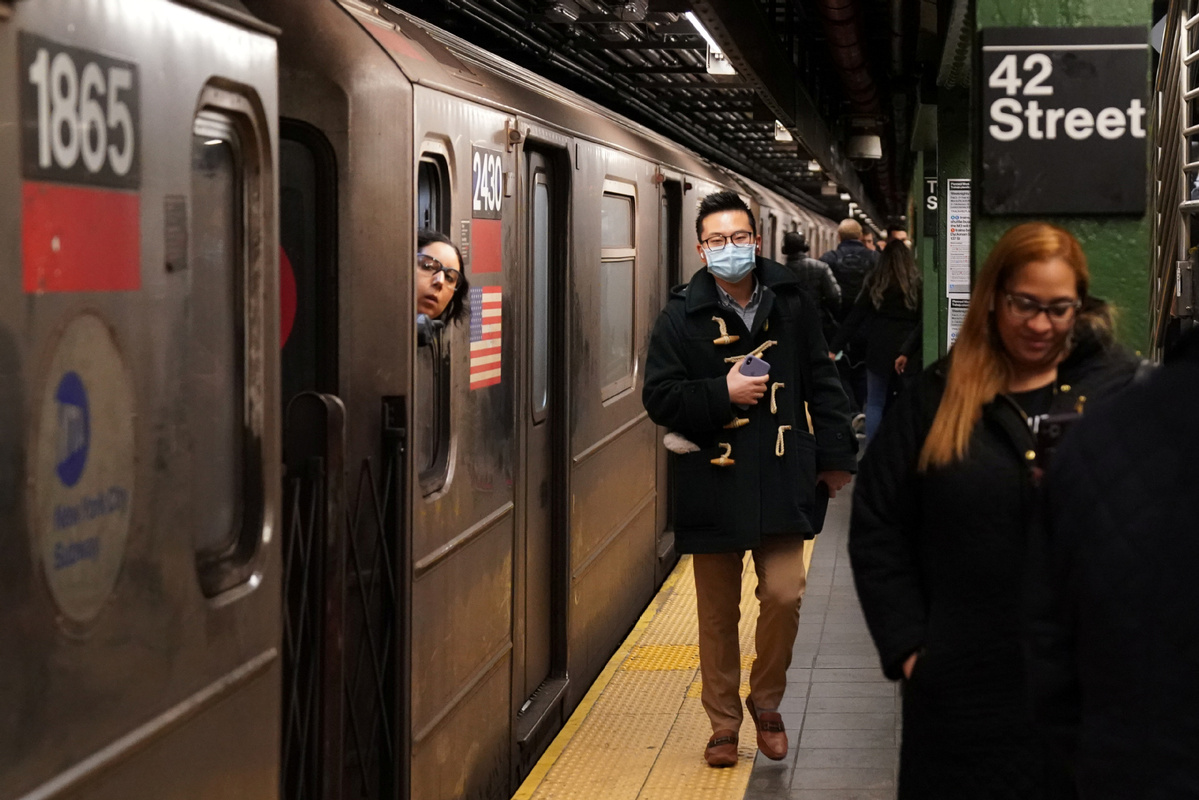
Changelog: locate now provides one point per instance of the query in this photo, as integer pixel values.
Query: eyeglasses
(429, 264)
(717, 241)
(1026, 308)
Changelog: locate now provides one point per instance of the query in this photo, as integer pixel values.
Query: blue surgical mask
(731, 263)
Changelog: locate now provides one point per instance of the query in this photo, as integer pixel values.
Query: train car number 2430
(486, 183)
(79, 115)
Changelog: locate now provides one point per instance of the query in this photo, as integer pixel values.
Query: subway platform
(640, 731)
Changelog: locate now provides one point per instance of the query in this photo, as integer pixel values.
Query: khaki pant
(781, 581)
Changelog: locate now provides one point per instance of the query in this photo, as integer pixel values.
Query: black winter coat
(1115, 649)
(851, 262)
(939, 562)
(816, 278)
(731, 508)
(885, 329)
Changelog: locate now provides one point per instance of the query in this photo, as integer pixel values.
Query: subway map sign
(1065, 120)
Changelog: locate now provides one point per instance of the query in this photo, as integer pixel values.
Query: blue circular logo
(74, 429)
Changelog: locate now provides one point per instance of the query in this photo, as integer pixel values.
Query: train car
(139, 413)
(506, 467)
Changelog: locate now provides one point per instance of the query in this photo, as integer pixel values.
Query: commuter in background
(868, 240)
(886, 312)
(1115, 641)
(939, 531)
(441, 286)
(749, 452)
(851, 262)
(816, 277)
(898, 233)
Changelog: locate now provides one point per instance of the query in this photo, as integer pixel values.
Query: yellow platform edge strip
(554, 751)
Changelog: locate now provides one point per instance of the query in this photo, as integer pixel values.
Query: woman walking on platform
(938, 537)
(886, 312)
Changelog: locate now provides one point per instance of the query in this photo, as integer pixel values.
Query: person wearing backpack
(850, 262)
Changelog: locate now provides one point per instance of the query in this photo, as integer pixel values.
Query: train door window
(225, 326)
(433, 384)
(432, 195)
(617, 268)
(541, 294)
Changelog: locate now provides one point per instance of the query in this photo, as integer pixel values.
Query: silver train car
(315, 552)
(140, 473)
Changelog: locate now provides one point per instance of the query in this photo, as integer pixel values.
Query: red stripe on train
(76, 239)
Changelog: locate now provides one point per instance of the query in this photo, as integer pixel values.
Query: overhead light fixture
(781, 134)
(829, 189)
(717, 62)
(813, 166)
(844, 195)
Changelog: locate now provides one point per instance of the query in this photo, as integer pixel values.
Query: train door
(670, 220)
(542, 602)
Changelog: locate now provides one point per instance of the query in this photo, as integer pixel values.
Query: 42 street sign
(1064, 120)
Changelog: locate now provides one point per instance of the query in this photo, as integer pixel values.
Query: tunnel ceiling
(646, 60)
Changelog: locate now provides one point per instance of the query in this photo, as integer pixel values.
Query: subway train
(266, 536)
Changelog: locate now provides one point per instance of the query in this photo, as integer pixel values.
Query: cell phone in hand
(1049, 429)
(754, 367)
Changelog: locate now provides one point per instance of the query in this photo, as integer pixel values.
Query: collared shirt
(748, 313)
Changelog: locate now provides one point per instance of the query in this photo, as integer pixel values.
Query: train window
(617, 270)
(433, 384)
(225, 327)
(432, 194)
(541, 294)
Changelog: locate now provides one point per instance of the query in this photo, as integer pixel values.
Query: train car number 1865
(79, 115)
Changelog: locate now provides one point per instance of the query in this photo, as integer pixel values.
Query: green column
(954, 118)
(1118, 249)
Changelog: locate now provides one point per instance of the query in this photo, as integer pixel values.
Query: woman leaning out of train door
(939, 529)
(441, 285)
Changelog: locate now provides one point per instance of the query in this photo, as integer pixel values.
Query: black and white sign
(79, 115)
(1065, 120)
(486, 183)
(932, 205)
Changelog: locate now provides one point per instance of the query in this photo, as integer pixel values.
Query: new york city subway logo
(74, 429)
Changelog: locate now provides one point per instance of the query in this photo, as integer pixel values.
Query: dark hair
(721, 201)
(896, 268)
(895, 228)
(458, 308)
(793, 243)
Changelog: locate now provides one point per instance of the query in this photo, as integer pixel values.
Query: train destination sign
(1065, 120)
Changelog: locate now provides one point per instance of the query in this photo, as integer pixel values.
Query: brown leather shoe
(772, 734)
(722, 749)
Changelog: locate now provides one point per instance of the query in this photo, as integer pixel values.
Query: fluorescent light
(813, 166)
(781, 134)
(844, 195)
(694, 20)
(211, 142)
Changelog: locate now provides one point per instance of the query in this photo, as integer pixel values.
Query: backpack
(850, 270)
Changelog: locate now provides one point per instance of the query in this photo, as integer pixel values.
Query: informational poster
(957, 238)
(956, 316)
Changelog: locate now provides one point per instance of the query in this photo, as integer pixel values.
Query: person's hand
(832, 356)
(909, 665)
(745, 390)
(900, 364)
(834, 479)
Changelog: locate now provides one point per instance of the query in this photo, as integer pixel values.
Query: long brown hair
(896, 267)
(979, 367)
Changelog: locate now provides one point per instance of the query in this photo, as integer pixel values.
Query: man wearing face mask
(756, 457)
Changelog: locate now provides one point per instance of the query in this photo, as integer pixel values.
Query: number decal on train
(487, 182)
(79, 115)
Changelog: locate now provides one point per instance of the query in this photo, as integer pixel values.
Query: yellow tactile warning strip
(640, 731)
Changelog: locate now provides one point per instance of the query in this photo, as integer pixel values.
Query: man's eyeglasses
(429, 264)
(717, 241)
(1026, 308)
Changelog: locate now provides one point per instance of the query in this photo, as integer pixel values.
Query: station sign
(1065, 120)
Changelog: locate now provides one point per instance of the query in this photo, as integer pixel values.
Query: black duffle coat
(770, 488)
(940, 562)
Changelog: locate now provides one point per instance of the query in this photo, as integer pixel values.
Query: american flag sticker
(486, 330)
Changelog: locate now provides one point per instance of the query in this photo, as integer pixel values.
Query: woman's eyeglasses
(429, 264)
(1026, 308)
